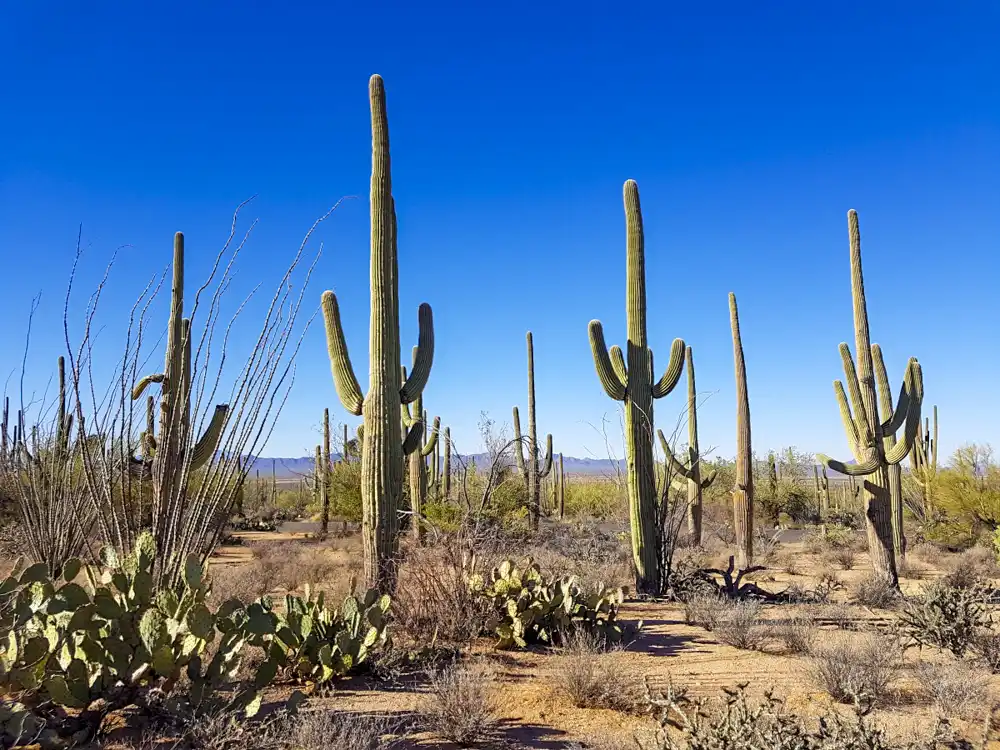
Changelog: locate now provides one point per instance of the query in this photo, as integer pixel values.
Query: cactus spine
(690, 470)
(866, 432)
(743, 491)
(530, 471)
(924, 462)
(633, 384)
(417, 423)
(324, 477)
(383, 446)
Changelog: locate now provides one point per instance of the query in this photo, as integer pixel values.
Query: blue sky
(751, 131)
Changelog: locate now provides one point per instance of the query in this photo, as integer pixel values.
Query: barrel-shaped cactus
(531, 472)
(743, 489)
(629, 378)
(383, 444)
(866, 430)
(691, 468)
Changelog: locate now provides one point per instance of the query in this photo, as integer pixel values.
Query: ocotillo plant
(632, 383)
(743, 490)
(866, 431)
(531, 472)
(324, 477)
(383, 446)
(417, 421)
(924, 462)
(690, 469)
(895, 471)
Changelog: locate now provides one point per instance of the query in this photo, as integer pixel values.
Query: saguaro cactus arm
(423, 357)
(340, 359)
(144, 383)
(675, 465)
(432, 440)
(547, 467)
(613, 375)
(519, 440)
(673, 372)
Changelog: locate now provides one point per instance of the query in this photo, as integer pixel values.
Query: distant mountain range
(289, 468)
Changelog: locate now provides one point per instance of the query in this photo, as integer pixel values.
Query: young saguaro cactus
(383, 446)
(743, 490)
(417, 423)
(170, 444)
(529, 468)
(691, 469)
(632, 383)
(924, 462)
(866, 431)
(324, 477)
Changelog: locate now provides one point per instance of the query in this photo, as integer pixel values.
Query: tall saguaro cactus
(632, 383)
(691, 469)
(324, 477)
(417, 423)
(866, 431)
(383, 445)
(446, 468)
(924, 462)
(169, 465)
(529, 468)
(894, 471)
(743, 490)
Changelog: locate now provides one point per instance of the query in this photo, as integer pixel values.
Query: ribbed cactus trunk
(562, 488)
(383, 448)
(924, 462)
(529, 468)
(416, 422)
(318, 483)
(633, 384)
(743, 491)
(324, 478)
(866, 431)
(446, 472)
(895, 471)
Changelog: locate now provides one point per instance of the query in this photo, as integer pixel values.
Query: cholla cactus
(866, 430)
(383, 447)
(632, 383)
(531, 472)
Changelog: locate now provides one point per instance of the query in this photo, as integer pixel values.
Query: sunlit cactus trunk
(924, 463)
(866, 431)
(446, 471)
(743, 489)
(324, 477)
(895, 471)
(691, 469)
(382, 448)
(529, 467)
(632, 383)
(416, 423)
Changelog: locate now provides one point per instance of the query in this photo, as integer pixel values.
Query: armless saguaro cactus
(690, 470)
(417, 471)
(446, 470)
(383, 446)
(743, 490)
(529, 468)
(324, 477)
(866, 431)
(633, 384)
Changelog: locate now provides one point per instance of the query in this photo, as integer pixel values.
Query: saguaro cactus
(894, 471)
(633, 384)
(866, 431)
(743, 491)
(924, 462)
(446, 469)
(166, 467)
(822, 491)
(529, 468)
(691, 469)
(383, 446)
(324, 478)
(416, 422)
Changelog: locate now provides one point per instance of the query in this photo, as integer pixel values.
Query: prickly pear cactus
(526, 607)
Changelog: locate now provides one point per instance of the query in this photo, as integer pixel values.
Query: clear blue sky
(751, 130)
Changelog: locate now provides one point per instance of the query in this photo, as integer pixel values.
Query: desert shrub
(844, 557)
(986, 647)
(877, 593)
(928, 553)
(740, 626)
(241, 581)
(593, 498)
(584, 551)
(968, 492)
(705, 609)
(859, 670)
(846, 519)
(767, 724)
(796, 636)
(947, 616)
(971, 567)
(526, 606)
(908, 568)
(290, 565)
(789, 562)
(319, 730)
(955, 687)
(462, 706)
(592, 677)
(432, 600)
